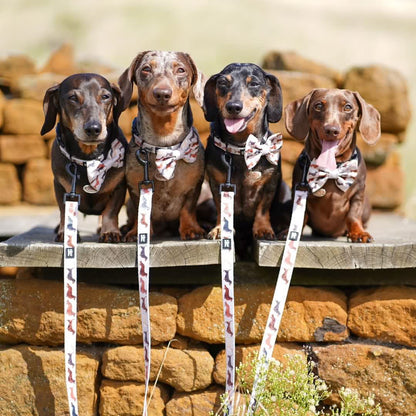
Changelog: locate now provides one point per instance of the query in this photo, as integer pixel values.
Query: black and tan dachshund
(88, 108)
(240, 102)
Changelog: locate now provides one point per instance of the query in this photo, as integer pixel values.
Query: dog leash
(282, 286)
(227, 191)
(146, 188)
(71, 201)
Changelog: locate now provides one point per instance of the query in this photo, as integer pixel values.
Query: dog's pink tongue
(233, 125)
(327, 157)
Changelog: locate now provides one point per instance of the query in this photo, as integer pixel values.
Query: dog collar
(254, 148)
(96, 168)
(167, 156)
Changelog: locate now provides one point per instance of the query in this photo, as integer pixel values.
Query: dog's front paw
(110, 237)
(264, 234)
(195, 233)
(360, 237)
(59, 238)
(282, 235)
(215, 233)
(130, 237)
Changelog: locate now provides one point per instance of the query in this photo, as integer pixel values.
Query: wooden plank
(394, 247)
(37, 249)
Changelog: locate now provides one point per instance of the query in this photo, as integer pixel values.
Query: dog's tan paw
(264, 234)
(215, 233)
(110, 237)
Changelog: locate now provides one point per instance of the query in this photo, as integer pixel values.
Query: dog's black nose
(332, 130)
(234, 107)
(162, 95)
(92, 128)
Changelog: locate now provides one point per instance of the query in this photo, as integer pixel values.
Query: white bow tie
(344, 175)
(255, 149)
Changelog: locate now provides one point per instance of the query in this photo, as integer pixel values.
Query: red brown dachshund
(163, 129)
(88, 108)
(327, 120)
(240, 101)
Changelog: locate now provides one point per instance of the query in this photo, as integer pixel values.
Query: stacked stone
(365, 340)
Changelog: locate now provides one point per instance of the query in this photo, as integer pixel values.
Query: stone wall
(25, 174)
(360, 338)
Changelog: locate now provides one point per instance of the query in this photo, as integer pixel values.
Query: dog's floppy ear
(198, 81)
(117, 102)
(210, 99)
(127, 78)
(296, 117)
(369, 126)
(50, 109)
(275, 101)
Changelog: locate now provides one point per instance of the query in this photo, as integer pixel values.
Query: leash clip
(227, 186)
(72, 195)
(303, 184)
(146, 182)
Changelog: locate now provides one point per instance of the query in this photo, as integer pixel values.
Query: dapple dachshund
(240, 101)
(163, 133)
(327, 121)
(88, 108)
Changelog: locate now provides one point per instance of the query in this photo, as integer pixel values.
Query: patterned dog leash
(227, 191)
(282, 286)
(71, 200)
(146, 188)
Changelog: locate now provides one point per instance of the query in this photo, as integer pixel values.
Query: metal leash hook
(72, 195)
(146, 182)
(228, 161)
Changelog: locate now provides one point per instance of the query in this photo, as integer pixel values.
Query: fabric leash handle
(71, 202)
(146, 188)
(227, 191)
(280, 293)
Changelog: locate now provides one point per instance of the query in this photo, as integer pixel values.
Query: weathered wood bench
(391, 259)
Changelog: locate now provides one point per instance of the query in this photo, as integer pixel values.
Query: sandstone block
(185, 370)
(291, 61)
(388, 373)
(38, 182)
(244, 354)
(32, 382)
(61, 61)
(126, 399)
(377, 154)
(387, 314)
(320, 314)
(386, 89)
(34, 86)
(199, 403)
(20, 149)
(198, 115)
(32, 312)
(10, 186)
(296, 85)
(14, 66)
(22, 116)
(2, 105)
(385, 183)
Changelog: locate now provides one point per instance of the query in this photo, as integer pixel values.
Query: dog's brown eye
(318, 106)
(222, 83)
(105, 97)
(73, 98)
(180, 70)
(348, 107)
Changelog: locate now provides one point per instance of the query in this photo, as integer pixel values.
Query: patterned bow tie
(166, 157)
(344, 175)
(97, 170)
(255, 149)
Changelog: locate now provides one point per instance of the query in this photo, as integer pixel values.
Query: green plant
(293, 390)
